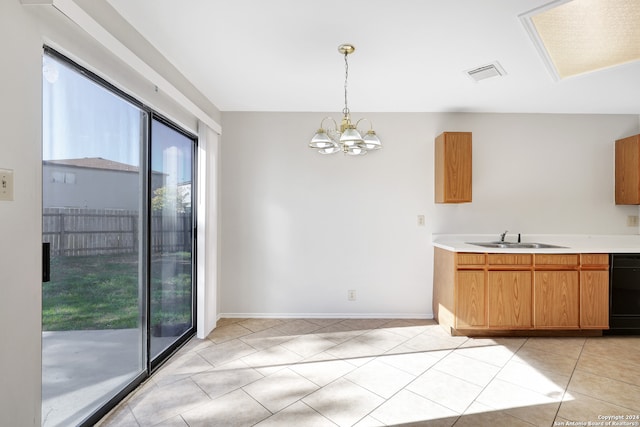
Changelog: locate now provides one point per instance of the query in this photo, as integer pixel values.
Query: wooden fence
(76, 231)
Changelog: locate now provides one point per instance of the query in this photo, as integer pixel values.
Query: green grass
(101, 292)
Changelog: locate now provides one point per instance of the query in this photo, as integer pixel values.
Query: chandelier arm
(365, 119)
(335, 125)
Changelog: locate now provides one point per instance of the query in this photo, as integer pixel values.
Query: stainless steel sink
(515, 245)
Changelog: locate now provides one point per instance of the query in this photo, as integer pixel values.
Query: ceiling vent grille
(486, 72)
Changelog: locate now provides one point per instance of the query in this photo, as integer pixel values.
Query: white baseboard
(427, 316)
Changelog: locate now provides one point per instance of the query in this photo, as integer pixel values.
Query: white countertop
(573, 243)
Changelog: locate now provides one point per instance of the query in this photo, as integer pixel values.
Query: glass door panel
(171, 251)
(94, 334)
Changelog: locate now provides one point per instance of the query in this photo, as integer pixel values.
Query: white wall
(20, 220)
(300, 229)
(541, 174)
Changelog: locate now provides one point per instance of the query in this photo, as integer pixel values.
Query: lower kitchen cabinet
(489, 293)
(509, 299)
(556, 299)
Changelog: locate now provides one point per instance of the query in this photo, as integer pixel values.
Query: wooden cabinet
(628, 170)
(509, 299)
(557, 299)
(453, 167)
(594, 299)
(509, 290)
(490, 293)
(594, 291)
(471, 299)
(471, 291)
(556, 293)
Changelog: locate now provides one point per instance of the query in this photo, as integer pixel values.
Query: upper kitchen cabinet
(628, 171)
(453, 167)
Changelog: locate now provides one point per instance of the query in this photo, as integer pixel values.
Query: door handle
(46, 262)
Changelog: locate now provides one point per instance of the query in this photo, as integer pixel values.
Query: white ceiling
(281, 55)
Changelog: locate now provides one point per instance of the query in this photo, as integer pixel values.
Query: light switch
(6, 184)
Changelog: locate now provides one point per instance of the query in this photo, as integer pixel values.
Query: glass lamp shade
(350, 137)
(370, 141)
(356, 151)
(334, 148)
(321, 140)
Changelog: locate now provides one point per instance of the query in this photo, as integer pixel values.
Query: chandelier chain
(346, 78)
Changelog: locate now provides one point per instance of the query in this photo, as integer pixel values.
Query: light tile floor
(376, 372)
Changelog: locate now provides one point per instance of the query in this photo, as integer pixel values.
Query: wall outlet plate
(6, 184)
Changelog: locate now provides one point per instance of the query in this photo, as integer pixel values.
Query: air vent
(486, 72)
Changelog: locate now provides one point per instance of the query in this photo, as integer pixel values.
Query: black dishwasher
(624, 294)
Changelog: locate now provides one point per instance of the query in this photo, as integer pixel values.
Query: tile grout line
(376, 357)
(288, 367)
(564, 392)
(344, 375)
(369, 414)
(385, 400)
(492, 379)
(357, 385)
(601, 376)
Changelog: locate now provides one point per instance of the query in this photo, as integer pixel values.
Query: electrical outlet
(351, 295)
(6, 184)
(421, 221)
(632, 221)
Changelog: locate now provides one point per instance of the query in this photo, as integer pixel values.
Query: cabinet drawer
(509, 259)
(470, 259)
(557, 259)
(594, 260)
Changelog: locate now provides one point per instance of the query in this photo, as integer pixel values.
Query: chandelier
(348, 138)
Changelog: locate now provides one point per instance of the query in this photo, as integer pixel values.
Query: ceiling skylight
(581, 36)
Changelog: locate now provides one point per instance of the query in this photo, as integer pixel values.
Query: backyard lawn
(101, 292)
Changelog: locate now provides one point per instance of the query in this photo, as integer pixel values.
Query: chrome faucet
(503, 235)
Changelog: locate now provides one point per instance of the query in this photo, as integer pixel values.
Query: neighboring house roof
(94, 163)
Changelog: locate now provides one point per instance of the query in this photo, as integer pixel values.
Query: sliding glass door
(118, 232)
(172, 155)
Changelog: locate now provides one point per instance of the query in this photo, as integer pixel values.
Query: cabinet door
(509, 299)
(627, 174)
(594, 299)
(470, 299)
(556, 299)
(453, 167)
